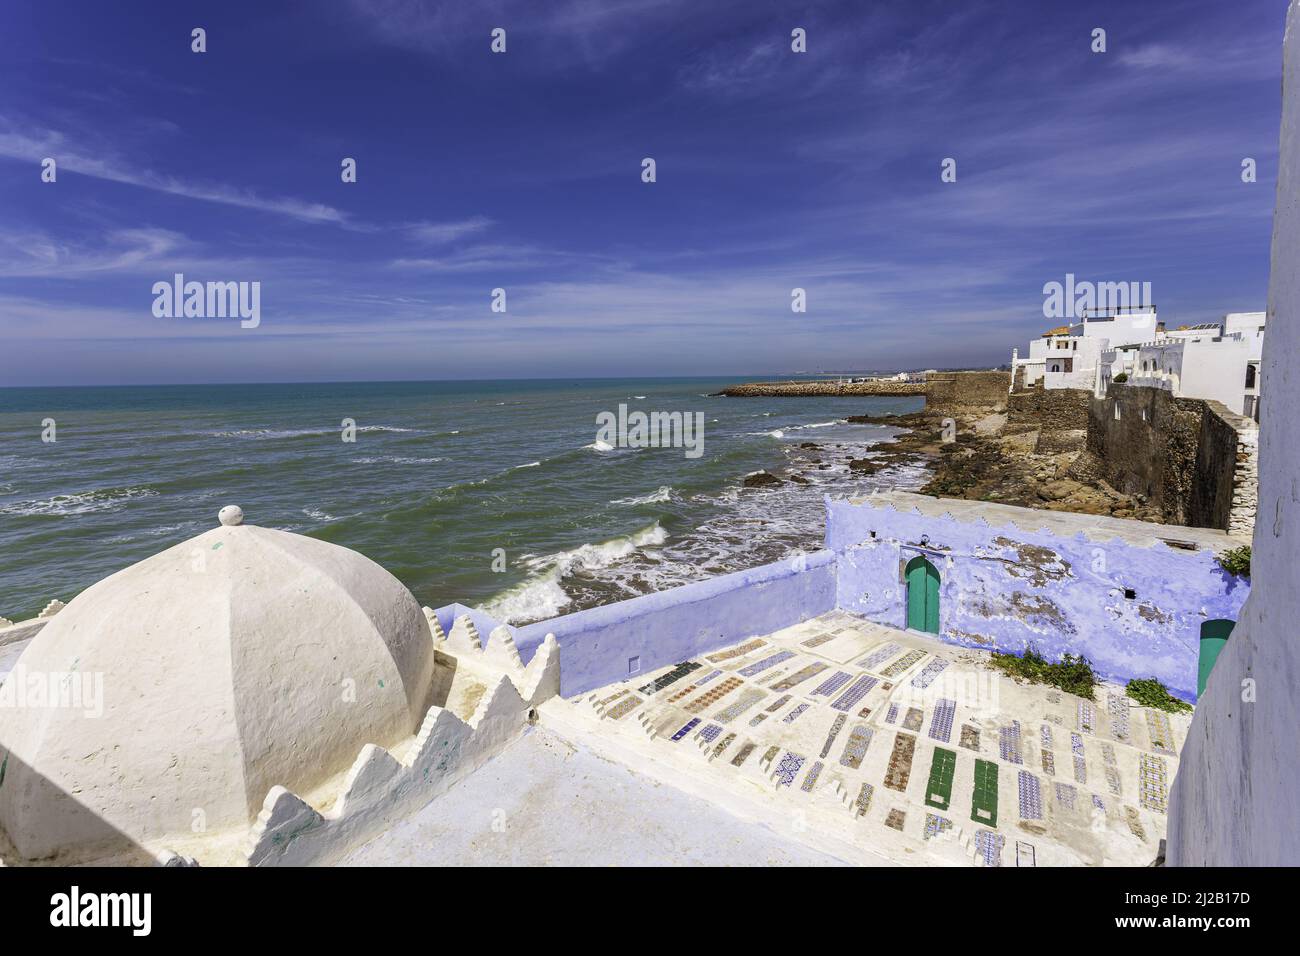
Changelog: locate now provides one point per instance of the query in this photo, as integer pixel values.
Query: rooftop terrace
(836, 740)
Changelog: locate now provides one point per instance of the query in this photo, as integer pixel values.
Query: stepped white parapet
(380, 790)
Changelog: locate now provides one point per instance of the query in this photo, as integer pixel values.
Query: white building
(1071, 356)
(1217, 361)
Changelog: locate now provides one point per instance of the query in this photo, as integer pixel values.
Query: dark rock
(760, 478)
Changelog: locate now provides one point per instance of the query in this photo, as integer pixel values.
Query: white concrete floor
(546, 801)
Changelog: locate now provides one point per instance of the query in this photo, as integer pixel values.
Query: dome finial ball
(231, 515)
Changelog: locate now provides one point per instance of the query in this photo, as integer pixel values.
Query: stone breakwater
(777, 389)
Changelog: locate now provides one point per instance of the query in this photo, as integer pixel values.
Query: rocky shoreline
(986, 462)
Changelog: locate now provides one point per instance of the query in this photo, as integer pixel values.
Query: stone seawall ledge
(822, 388)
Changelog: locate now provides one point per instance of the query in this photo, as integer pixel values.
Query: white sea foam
(81, 503)
(531, 464)
(665, 493)
(599, 445)
(318, 515)
(542, 596)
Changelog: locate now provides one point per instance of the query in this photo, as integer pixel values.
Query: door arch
(922, 595)
(1214, 634)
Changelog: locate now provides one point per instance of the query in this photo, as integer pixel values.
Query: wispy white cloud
(439, 233)
(71, 158)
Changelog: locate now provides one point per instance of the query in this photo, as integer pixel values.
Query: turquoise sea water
(440, 475)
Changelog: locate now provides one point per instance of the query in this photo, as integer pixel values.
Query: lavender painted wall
(671, 626)
(1002, 588)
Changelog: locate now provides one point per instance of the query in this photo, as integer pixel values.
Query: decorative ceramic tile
(1135, 823)
(817, 640)
(1108, 754)
(799, 676)
(1112, 781)
(701, 681)
(856, 748)
(879, 656)
(929, 673)
(941, 721)
(1049, 763)
(915, 716)
(938, 789)
(984, 799)
(757, 719)
(831, 684)
(723, 744)
(935, 825)
(1076, 745)
(1048, 742)
(742, 755)
(710, 732)
(623, 708)
(1087, 717)
(614, 696)
(770, 754)
(836, 727)
(970, 738)
(771, 661)
(896, 819)
(1065, 795)
(1153, 784)
(863, 803)
(1117, 711)
(788, 768)
(810, 781)
(988, 845)
(891, 715)
(858, 690)
(1080, 770)
(864, 713)
(739, 651)
(794, 715)
(713, 695)
(1009, 742)
(1162, 734)
(686, 728)
(777, 704)
(1031, 797)
(672, 677)
(1025, 855)
(747, 699)
(900, 762)
(1096, 802)
(902, 664)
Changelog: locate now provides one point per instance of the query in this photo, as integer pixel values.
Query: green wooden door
(922, 595)
(1214, 634)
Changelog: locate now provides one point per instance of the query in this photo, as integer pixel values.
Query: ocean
(494, 494)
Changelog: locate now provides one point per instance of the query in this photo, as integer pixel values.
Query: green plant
(1152, 693)
(1072, 674)
(1236, 561)
(1121, 378)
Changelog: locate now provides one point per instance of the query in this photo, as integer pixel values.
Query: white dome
(243, 658)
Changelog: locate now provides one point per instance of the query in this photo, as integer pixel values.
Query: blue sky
(523, 171)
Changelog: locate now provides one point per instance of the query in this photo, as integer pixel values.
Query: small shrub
(1072, 674)
(1121, 378)
(1236, 561)
(1152, 693)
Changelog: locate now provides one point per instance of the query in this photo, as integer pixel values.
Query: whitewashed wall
(1234, 799)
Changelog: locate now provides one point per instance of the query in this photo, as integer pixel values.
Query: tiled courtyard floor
(874, 743)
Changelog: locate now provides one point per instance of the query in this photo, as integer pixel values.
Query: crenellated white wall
(1234, 800)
